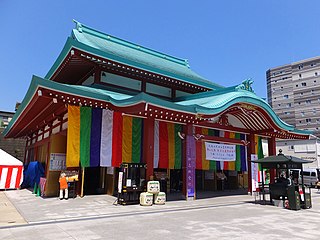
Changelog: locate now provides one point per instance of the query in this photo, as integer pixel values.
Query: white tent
(11, 171)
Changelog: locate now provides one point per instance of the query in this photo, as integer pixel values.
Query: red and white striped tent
(10, 171)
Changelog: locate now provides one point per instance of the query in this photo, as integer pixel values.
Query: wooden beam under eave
(222, 127)
(264, 131)
(35, 118)
(223, 140)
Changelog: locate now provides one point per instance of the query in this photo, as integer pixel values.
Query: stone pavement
(40, 210)
(9, 215)
(95, 217)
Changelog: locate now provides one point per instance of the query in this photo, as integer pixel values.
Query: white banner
(220, 152)
(254, 172)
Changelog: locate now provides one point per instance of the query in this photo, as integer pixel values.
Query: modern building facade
(294, 93)
(14, 147)
(5, 118)
(306, 149)
(107, 101)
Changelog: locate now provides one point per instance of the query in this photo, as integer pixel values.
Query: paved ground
(95, 217)
(9, 215)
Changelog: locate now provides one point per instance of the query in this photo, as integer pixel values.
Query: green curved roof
(122, 51)
(212, 102)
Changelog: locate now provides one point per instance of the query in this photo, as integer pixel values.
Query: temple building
(107, 101)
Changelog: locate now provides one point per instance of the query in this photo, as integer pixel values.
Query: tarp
(32, 174)
(10, 171)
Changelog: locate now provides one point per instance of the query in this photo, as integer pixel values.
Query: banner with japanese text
(220, 152)
(254, 173)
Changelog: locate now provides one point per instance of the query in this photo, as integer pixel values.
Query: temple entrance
(212, 180)
(95, 181)
(176, 180)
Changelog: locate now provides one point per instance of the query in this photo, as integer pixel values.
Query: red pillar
(148, 145)
(251, 150)
(272, 151)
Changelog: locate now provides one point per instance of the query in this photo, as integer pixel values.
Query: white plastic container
(160, 198)
(146, 199)
(153, 187)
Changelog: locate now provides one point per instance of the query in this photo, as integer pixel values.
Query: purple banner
(191, 165)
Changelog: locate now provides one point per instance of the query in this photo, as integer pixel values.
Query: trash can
(307, 200)
(294, 199)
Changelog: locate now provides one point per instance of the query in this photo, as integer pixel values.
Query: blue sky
(224, 41)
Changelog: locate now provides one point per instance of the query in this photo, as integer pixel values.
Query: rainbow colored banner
(202, 164)
(100, 137)
(167, 145)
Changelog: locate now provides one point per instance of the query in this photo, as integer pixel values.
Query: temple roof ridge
(84, 28)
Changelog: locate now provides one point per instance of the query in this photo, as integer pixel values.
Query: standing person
(63, 186)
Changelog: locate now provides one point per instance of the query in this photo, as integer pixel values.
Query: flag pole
(82, 182)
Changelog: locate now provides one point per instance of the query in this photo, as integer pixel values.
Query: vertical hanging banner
(73, 135)
(190, 166)
(106, 138)
(167, 145)
(254, 172)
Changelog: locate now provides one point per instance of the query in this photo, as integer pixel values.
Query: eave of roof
(213, 102)
(206, 105)
(118, 50)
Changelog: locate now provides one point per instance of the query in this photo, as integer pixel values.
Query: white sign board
(57, 161)
(254, 172)
(120, 182)
(220, 152)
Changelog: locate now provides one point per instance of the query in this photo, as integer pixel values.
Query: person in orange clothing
(63, 186)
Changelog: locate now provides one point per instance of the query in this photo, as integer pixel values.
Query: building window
(314, 111)
(287, 113)
(297, 85)
(315, 81)
(308, 101)
(301, 93)
(299, 103)
(308, 120)
(312, 64)
(288, 104)
(279, 105)
(303, 84)
(300, 75)
(300, 66)
(316, 74)
(286, 96)
(302, 114)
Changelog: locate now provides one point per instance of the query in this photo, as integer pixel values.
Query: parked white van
(310, 176)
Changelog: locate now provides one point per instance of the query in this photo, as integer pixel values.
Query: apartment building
(294, 93)
(15, 147)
